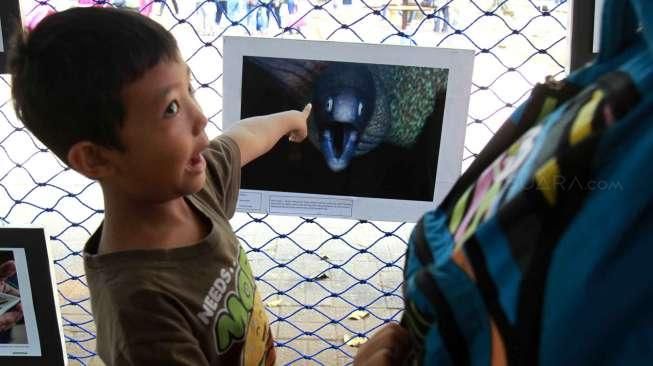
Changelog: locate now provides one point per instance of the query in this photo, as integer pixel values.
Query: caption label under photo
(249, 201)
(311, 206)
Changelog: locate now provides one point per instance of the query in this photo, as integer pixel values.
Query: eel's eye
(329, 104)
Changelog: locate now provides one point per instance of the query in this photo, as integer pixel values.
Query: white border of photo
(459, 63)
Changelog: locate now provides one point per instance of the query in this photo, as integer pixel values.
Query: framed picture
(9, 20)
(385, 134)
(31, 332)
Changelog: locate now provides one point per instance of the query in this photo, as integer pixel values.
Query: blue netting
(312, 273)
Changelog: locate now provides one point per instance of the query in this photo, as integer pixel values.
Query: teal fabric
(550, 241)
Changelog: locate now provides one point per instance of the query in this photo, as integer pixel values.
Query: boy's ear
(90, 160)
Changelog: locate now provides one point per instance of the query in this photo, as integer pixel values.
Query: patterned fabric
(545, 231)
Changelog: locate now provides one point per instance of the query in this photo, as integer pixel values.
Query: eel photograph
(374, 130)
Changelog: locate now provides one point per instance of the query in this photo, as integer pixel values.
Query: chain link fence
(325, 281)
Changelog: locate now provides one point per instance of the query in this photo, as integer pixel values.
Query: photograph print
(17, 324)
(12, 325)
(30, 326)
(374, 130)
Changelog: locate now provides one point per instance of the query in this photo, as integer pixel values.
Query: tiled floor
(322, 281)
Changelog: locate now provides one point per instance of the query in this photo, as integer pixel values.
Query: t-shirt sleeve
(151, 331)
(223, 173)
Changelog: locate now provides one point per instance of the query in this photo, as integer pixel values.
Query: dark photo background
(388, 171)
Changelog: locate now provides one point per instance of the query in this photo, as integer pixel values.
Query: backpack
(539, 253)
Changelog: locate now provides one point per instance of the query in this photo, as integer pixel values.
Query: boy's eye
(172, 108)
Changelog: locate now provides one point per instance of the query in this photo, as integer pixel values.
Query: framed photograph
(9, 20)
(385, 134)
(30, 326)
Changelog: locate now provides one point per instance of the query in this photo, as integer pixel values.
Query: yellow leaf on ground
(358, 315)
(274, 303)
(354, 341)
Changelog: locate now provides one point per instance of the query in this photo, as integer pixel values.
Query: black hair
(68, 73)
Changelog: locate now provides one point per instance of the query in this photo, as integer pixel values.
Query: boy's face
(163, 135)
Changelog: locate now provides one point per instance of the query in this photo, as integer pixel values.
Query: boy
(107, 91)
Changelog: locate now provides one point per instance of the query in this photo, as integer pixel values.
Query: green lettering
(244, 264)
(245, 291)
(232, 324)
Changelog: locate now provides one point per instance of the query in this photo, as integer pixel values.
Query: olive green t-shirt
(194, 305)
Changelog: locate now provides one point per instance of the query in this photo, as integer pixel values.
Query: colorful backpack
(539, 253)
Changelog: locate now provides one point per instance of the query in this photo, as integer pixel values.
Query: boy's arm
(257, 135)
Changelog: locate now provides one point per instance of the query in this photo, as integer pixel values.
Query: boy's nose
(199, 120)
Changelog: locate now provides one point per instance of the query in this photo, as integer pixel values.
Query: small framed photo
(30, 323)
(9, 20)
(385, 133)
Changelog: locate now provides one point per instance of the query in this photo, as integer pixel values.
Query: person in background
(221, 8)
(442, 19)
(164, 3)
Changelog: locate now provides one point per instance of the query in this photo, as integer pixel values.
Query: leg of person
(410, 15)
(261, 20)
(163, 5)
(225, 11)
(250, 16)
(445, 16)
(276, 9)
(218, 12)
(266, 16)
(256, 15)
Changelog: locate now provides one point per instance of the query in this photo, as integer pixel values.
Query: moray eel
(357, 107)
(344, 98)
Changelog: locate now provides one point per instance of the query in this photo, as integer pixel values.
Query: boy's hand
(387, 347)
(257, 135)
(299, 134)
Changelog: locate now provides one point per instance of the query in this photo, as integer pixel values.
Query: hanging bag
(540, 252)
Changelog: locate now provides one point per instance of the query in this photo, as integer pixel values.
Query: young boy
(107, 91)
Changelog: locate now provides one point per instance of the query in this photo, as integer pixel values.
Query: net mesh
(324, 281)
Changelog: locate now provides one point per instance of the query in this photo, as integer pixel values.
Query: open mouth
(338, 144)
(196, 164)
(196, 160)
